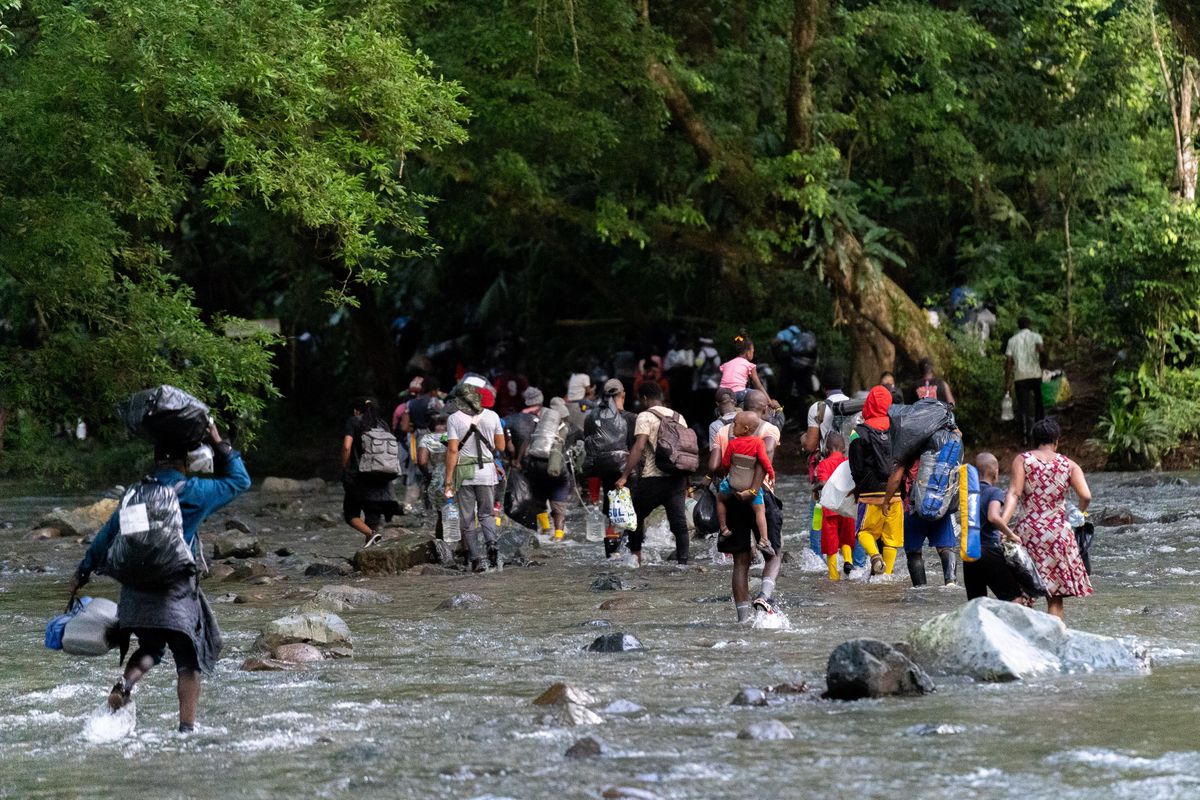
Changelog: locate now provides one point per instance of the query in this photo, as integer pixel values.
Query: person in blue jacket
(178, 616)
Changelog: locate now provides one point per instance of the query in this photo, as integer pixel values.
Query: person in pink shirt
(740, 373)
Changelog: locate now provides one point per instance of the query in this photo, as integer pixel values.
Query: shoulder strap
(822, 408)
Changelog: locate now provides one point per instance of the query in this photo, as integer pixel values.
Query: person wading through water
(176, 614)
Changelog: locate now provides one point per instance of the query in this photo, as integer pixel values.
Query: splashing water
(771, 621)
(105, 726)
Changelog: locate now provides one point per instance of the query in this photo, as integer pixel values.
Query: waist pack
(677, 451)
(149, 551)
(935, 490)
(380, 453)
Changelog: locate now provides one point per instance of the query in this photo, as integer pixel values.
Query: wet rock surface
(461, 601)
(615, 643)
(236, 544)
(393, 556)
(587, 747)
(766, 730)
(864, 668)
(80, 521)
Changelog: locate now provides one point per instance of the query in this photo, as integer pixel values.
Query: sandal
(766, 549)
(373, 540)
(725, 533)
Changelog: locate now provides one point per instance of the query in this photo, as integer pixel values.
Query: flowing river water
(437, 703)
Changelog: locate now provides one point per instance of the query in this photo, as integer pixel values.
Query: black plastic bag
(1083, 537)
(605, 438)
(150, 551)
(166, 415)
(913, 425)
(520, 504)
(1023, 570)
(704, 515)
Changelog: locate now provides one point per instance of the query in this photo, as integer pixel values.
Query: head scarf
(875, 411)
(469, 400)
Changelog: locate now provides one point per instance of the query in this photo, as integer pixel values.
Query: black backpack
(149, 551)
(677, 450)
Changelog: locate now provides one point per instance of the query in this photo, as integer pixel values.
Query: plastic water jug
(595, 524)
(87, 634)
(451, 524)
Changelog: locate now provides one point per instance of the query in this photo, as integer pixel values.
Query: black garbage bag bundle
(1023, 570)
(519, 502)
(1083, 538)
(166, 415)
(914, 425)
(605, 437)
(704, 515)
(151, 552)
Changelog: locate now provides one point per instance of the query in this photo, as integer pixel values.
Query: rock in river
(297, 653)
(561, 694)
(615, 643)
(570, 715)
(235, 544)
(870, 668)
(353, 596)
(82, 521)
(991, 640)
(318, 628)
(587, 747)
(767, 730)
(394, 556)
(461, 600)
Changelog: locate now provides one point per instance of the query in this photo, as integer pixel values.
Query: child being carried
(746, 465)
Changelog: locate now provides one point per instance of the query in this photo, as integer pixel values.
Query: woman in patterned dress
(1040, 479)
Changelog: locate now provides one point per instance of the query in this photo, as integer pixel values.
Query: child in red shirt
(837, 530)
(747, 447)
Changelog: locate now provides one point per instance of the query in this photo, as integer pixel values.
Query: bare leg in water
(1055, 606)
(187, 688)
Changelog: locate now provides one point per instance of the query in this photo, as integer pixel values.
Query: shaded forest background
(385, 175)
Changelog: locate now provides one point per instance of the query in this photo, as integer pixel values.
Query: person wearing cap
(474, 436)
(581, 398)
(612, 404)
(555, 490)
(880, 510)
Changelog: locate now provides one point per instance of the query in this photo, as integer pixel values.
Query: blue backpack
(970, 519)
(935, 491)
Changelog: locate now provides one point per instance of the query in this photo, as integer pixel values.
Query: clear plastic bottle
(595, 524)
(451, 527)
(1006, 408)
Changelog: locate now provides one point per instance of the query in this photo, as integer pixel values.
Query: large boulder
(515, 544)
(991, 640)
(321, 629)
(235, 544)
(393, 556)
(82, 521)
(870, 668)
(292, 486)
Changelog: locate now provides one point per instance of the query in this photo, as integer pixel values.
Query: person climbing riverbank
(170, 611)
(1040, 480)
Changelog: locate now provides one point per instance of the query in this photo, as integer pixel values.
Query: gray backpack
(380, 453)
(149, 551)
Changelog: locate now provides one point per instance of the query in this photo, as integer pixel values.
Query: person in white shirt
(473, 438)
(1023, 375)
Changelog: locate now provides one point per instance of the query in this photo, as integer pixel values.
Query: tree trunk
(800, 93)
(375, 345)
(1188, 124)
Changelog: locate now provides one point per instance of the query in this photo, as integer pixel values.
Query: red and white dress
(1044, 530)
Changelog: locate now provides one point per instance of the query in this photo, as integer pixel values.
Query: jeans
(476, 505)
(670, 492)
(1029, 405)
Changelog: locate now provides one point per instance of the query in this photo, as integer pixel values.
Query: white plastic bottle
(451, 527)
(595, 524)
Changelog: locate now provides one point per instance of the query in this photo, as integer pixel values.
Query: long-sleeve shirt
(198, 497)
(748, 446)
(870, 460)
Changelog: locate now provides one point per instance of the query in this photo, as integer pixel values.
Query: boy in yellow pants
(880, 511)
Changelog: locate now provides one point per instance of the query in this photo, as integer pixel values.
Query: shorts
(888, 528)
(555, 490)
(744, 530)
(837, 531)
(155, 641)
(941, 533)
(371, 511)
(725, 488)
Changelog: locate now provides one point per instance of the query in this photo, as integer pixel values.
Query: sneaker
(761, 603)
(118, 696)
(493, 556)
(877, 567)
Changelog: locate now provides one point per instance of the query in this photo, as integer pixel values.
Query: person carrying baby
(745, 465)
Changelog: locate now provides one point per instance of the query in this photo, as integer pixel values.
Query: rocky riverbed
(392, 675)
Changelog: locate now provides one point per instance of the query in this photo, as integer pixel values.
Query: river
(437, 703)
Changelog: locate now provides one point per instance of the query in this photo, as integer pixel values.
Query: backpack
(677, 450)
(970, 515)
(708, 371)
(936, 489)
(149, 551)
(843, 420)
(380, 453)
(547, 448)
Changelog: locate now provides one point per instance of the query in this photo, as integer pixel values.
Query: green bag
(466, 468)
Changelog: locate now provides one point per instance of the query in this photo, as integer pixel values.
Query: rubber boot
(834, 574)
(889, 559)
(949, 565)
(543, 520)
(916, 568)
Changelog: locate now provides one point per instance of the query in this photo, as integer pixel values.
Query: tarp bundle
(165, 415)
(520, 504)
(914, 425)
